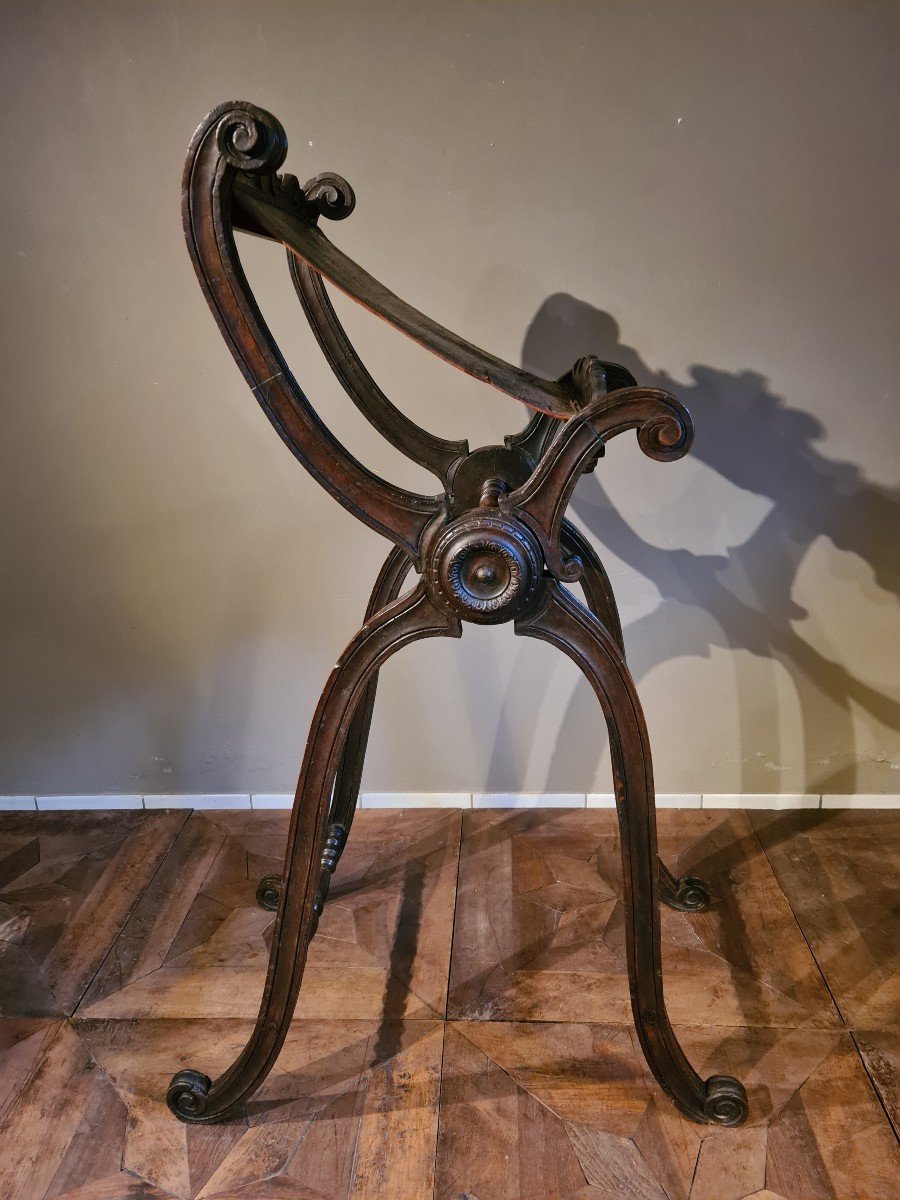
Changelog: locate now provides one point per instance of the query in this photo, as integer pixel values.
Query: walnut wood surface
(546, 940)
(831, 866)
(68, 887)
(493, 548)
(376, 1094)
(311, 245)
(215, 158)
(436, 454)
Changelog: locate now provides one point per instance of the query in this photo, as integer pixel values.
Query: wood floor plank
(74, 898)
(23, 1042)
(880, 1051)
(613, 1165)
(142, 945)
(39, 1128)
(18, 854)
(540, 926)
(383, 943)
(731, 1165)
(497, 1140)
(116, 1187)
(814, 1121)
(670, 1146)
(94, 1152)
(838, 871)
(527, 1096)
(349, 1112)
(395, 1149)
(95, 923)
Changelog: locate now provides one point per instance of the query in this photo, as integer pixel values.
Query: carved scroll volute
(238, 138)
(664, 432)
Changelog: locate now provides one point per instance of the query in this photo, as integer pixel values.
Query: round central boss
(485, 569)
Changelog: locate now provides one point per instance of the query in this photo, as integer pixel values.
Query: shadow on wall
(757, 442)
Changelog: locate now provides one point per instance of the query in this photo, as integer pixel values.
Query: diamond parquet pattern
(464, 1030)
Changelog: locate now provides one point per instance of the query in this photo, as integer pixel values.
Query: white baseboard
(663, 800)
(761, 800)
(272, 800)
(527, 800)
(415, 800)
(187, 800)
(861, 801)
(17, 804)
(86, 803)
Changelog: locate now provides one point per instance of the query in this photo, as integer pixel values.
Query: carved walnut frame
(495, 546)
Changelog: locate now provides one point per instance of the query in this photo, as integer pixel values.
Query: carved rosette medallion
(484, 568)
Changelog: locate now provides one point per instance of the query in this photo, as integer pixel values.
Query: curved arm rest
(238, 140)
(543, 428)
(282, 215)
(664, 430)
(434, 453)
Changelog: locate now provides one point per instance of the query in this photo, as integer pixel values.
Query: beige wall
(707, 192)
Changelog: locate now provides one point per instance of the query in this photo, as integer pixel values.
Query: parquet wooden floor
(463, 1031)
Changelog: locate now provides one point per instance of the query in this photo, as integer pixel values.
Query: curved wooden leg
(685, 894)
(598, 593)
(191, 1095)
(353, 753)
(563, 622)
(349, 777)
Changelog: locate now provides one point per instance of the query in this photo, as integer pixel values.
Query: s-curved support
(664, 431)
(543, 427)
(687, 893)
(353, 751)
(266, 212)
(598, 593)
(192, 1097)
(562, 622)
(238, 141)
(434, 453)
(349, 776)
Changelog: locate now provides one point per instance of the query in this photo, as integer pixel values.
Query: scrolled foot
(726, 1101)
(268, 892)
(691, 895)
(187, 1093)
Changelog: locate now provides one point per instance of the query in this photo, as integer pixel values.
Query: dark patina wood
(494, 547)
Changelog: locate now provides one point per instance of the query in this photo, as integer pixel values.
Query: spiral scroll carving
(268, 892)
(250, 139)
(187, 1093)
(692, 895)
(331, 195)
(666, 437)
(726, 1101)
